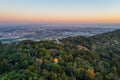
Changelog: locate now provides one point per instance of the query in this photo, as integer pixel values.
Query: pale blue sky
(60, 5)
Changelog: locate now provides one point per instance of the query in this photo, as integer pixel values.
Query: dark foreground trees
(74, 58)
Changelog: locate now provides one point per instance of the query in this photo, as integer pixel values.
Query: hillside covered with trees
(73, 58)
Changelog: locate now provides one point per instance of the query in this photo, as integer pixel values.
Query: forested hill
(110, 38)
(74, 58)
(105, 37)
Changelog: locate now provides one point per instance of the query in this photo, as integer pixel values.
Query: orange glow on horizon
(39, 18)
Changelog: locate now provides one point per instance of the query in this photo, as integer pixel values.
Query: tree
(30, 78)
(91, 73)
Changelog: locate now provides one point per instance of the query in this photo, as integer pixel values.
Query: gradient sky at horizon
(60, 11)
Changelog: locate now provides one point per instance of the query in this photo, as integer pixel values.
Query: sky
(60, 11)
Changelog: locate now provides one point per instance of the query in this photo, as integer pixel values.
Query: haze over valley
(10, 33)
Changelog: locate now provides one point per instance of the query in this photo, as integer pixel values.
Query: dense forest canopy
(73, 58)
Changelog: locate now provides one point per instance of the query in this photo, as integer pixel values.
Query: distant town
(10, 33)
